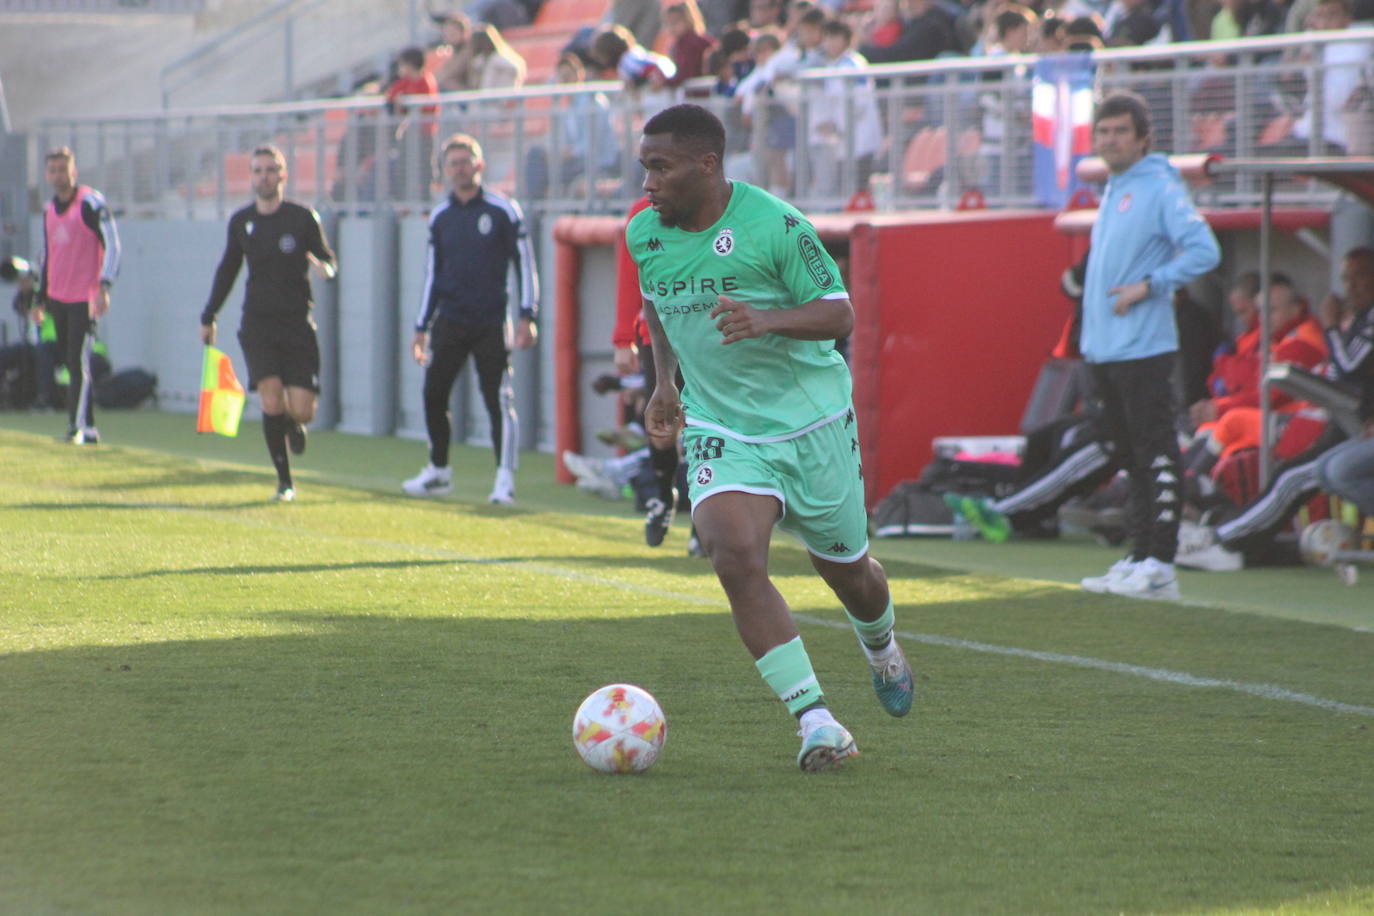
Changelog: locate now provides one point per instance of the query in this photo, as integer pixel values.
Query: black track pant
(451, 345)
(75, 335)
(1139, 408)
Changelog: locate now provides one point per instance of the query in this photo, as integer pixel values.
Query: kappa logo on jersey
(815, 261)
(705, 475)
(838, 547)
(654, 245)
(248, 227)
(725, 242)
(484, 224)
(789, 222)
(287, 243)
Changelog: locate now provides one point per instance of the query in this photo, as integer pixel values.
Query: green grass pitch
(362, 703)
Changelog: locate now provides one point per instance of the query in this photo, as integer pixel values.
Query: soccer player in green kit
(739, 292)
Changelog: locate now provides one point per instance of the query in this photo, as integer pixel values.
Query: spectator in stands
(927, 32)
(882, 26)
(585, 136)
(763, 102)
(614, 48)
(1133, 24)
(1086, 30)
(845, 126)
(722, 15)
(766, 14)
(1053, 36)
(641, 18)
(411, 172)
(454, 72)
(690, 43)
(495, 64)
(1345, 93)
(1348, 323)
(358, 158)
(1014, 28)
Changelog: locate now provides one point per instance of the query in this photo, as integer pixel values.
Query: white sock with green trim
(787, 670)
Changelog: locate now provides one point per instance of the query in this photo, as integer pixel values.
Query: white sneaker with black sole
(431, 481)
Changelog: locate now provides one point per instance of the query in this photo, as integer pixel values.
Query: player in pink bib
(78, 260)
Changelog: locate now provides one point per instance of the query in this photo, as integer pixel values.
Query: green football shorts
(816, 476)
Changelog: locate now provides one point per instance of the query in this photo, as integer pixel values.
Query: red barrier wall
(956, 312)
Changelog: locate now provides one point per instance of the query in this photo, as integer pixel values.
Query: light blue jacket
(1146, 226)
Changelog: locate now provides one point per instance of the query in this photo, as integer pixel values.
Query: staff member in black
(475, 237)
(281, 240)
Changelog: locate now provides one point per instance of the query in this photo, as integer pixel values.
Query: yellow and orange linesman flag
(221, 395)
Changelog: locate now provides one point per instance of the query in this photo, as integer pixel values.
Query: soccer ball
(619, 729)
(1320, 540)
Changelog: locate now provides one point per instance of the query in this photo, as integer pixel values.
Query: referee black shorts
(288, 352)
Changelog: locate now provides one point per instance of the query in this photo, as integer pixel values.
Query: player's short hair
(413, 57)
(1124, 102)
(462, 141)
(268, 150)
(60, 152)
(691, 126)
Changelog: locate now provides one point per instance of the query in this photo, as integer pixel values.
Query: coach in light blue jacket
(1147, 241)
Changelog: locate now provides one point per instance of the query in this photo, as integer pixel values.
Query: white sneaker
(1119, 570)
(503, 490)
(87, 436)
(1150, 579)
(431, 481)
(582, 466)
(1198, 548)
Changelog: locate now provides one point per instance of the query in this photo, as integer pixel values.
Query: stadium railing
(951, 130)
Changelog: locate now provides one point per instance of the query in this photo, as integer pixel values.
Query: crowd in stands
(754, 49)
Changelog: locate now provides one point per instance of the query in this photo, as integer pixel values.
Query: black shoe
(657, 521)
(295, 438)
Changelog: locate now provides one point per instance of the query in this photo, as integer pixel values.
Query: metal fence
(946, 130)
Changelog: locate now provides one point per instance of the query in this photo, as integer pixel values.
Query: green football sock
(787, 670)
(875, 634)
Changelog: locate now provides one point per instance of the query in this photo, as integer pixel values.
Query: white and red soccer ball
(619, 729)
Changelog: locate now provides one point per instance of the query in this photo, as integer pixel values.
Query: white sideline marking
(1179, 678)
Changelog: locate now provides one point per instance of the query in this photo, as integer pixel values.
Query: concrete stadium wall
(370, 383)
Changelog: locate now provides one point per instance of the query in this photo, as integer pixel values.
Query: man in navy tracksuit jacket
(475, 237)
(1147, 241)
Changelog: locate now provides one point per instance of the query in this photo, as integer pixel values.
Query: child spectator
(614, 48)
(690, 43)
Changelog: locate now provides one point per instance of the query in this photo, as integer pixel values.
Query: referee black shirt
(276, 245)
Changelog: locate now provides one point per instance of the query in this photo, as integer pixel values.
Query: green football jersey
(762, 252)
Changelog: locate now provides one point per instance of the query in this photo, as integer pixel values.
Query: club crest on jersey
(287, 243)
(705, 475)
(248, 228)
(1125, 203)
(725, 242)
(484, 224)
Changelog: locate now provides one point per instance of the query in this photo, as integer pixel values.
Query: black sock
(274, 426)
(664, 461)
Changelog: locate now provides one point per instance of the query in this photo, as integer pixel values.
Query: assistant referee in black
(478, 242)
(281, 240)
